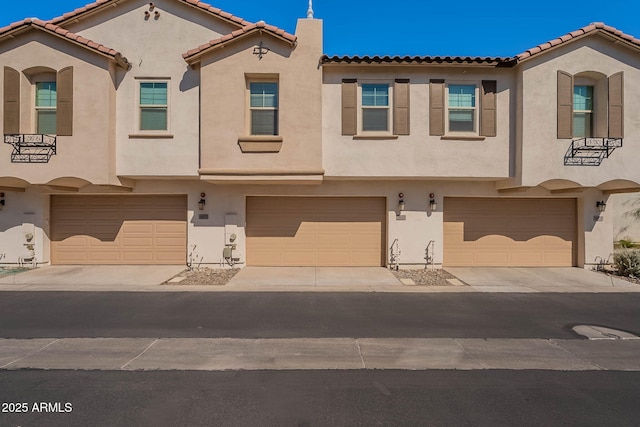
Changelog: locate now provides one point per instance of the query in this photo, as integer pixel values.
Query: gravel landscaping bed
(424, 277)
(635, 280)
(206, 276)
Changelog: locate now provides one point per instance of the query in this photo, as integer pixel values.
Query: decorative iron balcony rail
(31, 148)
(590, 151)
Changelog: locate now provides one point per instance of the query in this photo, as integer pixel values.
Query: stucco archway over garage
(492, 232)
(10, 183)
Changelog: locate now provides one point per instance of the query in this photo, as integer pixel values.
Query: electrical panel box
(226, 252)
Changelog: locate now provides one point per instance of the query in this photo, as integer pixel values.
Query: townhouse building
(176, 133)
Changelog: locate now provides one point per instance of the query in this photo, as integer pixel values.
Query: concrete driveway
(93, 277)
(570, 279)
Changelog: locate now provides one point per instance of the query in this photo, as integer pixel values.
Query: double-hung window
(462, 111)
(263, 104)
(46, 102)
(375, 107)
(582, 111)
(154, 106)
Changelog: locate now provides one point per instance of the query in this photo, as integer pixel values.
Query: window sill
(260, 144)
(150, 136)
(380, 137)
(454, 137)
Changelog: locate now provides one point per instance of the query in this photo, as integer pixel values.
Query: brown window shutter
(616, 106)
(11, 101)
(488, 103)
(64, 112)
(349, 107)
(436, 107)
(565, 105)
(401, 125)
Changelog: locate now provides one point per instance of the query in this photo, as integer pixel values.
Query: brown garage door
(315, 231)
(118, 229)
(509, 232)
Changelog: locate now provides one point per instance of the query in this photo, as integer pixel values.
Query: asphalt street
(324, 398)
(310, 315)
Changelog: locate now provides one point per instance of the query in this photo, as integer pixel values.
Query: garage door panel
(509, 232)
(118, 229)
(489, 256)
(308, 231)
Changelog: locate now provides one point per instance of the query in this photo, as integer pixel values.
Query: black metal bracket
(590, 151)
(31, 148)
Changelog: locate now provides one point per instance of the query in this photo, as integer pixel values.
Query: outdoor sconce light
(432, 202)
(146, 15)
(151, 7)
(601, 205)
(400, 202)
(202, 201)
(1, 201)
(156, 15)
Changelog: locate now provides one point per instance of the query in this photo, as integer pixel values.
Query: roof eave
(196, 57)
(418, 61)
(71, 16)
(598, 31)
(28, 26)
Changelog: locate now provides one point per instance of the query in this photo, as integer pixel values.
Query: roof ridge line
(194, 3)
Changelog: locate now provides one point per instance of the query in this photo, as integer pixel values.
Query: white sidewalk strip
(218, 354)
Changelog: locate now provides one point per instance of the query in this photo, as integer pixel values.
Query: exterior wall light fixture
(601, 205)
(400, 202)
(433, 205)
(202, 201)
(1, 201)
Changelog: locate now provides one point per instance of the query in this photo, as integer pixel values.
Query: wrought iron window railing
(590, 151)
(31, 148)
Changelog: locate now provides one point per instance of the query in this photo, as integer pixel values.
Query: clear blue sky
(408, 27)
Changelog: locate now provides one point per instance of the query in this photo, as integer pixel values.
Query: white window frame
(388, 107)
(476, 108)
(139, 106)
(592, 111)
(44, 77)
(250, 109)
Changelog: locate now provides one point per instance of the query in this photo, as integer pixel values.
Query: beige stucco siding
(225, 110)
(417, 154)
(542, 153)
(85, 154)
(154, 48)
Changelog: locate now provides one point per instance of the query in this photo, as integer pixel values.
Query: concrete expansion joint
(30, 354)
(575, 354)
(364, 366)
(459, 344)
(141, 353)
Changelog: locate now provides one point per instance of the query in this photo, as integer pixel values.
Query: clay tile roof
(589, 29)
(419, 60)
(79, 12)
(193, 54)
(66, 34)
